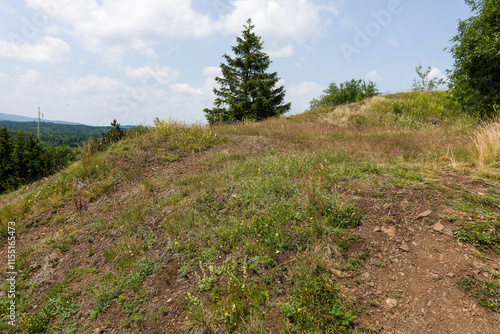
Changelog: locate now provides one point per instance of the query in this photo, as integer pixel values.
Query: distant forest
(57, 134)
(24, 158)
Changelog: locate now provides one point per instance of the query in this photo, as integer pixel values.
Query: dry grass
(449, 145)
(486, 142)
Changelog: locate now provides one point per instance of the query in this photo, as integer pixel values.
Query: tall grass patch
(486, 140)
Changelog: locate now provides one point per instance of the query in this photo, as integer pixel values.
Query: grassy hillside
(313, 223)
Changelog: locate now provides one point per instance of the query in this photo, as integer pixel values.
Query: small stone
(424, 214)
(168, 301)
(377, 229)
(391, 303)
(438, 227)
(436, 277)
(429, 304)
(390, 231)
(450, 274)
(404, 247)
(448, 231)
(371, 284)
(98, 330)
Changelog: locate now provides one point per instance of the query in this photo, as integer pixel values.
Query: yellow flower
(277, 234)
(298, 309)
(176, 242)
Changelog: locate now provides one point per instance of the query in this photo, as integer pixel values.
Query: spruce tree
(5, 160)
(19, 158)
(34, 159)
(247, 91)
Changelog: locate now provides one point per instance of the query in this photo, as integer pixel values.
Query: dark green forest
(24, 158)
(57, 134)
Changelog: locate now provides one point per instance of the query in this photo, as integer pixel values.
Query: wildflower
(176, 242)
(298, 310)
(277, 234)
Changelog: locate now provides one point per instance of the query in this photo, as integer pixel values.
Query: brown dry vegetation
(312, 223)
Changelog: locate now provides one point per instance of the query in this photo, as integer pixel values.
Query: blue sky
(91, 61)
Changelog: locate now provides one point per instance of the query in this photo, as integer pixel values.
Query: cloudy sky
(91, 61)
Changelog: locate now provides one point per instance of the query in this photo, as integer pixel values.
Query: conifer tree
(19, 158)
(34, 159)
(247, 91)
(5, 160)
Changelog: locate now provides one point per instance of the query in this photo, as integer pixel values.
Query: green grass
(255, 236)
(488, 292)
(254, 212)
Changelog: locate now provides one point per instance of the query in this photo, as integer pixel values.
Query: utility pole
(38, 128)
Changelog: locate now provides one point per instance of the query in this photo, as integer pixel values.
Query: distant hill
(17, 118)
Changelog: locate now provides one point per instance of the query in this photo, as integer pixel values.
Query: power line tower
(38, 127)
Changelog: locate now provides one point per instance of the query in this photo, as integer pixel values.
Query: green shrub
(347, 92)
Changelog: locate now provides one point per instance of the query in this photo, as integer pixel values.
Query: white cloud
(279, 22)
(112, 27)
(212, 71)
(436, 73)
(4, 77)
(48, 50)
(29, 77)
(392, 41)
(301, 94)
(150, 53)
(373, 76)
(156, 72)
(89, 85)
(284, 51)
(6, 7)
(183, 88)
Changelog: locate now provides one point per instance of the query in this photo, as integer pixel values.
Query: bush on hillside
(347, 92)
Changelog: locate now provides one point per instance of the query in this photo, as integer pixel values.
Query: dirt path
(409, 280)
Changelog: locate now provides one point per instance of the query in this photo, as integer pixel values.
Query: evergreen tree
(19, 158)
(5, 160)
(34, 160)
(475, 77)
(247, 91)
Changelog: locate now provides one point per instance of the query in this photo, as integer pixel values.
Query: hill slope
(383, 223)
(17, 118)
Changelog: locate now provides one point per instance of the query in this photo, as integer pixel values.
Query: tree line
(58, 134)
(23, 159)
